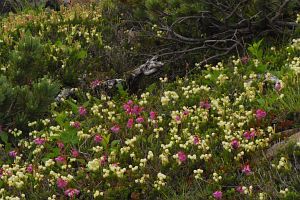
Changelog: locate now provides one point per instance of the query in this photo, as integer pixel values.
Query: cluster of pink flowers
(249, 134)
(136, 110)
(71, 192)
(103, 159)
(60, 145)
(75, 153)
(98, 138)
(181, 156)
(139, 120)
(12, 154)
(82, 111)
(218, 194)
(76, 125)
(235, 144)
(61, 183)
(196, 140)
(246, 169)
(115, 128)
(153, 115)
(60, 159)
(260, 114)
(29, 168)
(130, 123)
(205, 105)
(239, 189)
(39, 141)
(95, 84)
(130, 108)
(177, 118)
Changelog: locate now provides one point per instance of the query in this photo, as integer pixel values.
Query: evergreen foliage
(22, 103)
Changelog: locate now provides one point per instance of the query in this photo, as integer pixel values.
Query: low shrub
(20, 104)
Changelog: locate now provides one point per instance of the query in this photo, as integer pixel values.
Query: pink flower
(186, 112)
(29, 168)
(217, 194)
(115, 128)
(249, 135)
(177, 118)
(137, 110)
(260, 114)
(139, 120)
(239, 189)
(61, 183)
(98, 138)
(196, 140)
(60, 159)
(95, 83)
(60, 145)
(181, 156)
(82, 111)
(12, 154)
(103, 159)
(72, 192)
(130, 102)
(39, 141)
(132, 109)
(127, 106)
(76, 125)
(235, 144)
(246, 169)
(278, 86)
(130, 123)
(205, 105)
(152, 115)
(75, 153)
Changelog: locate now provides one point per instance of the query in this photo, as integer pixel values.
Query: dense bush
(35, 44)
(19, 104)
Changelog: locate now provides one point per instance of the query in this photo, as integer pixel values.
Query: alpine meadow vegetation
(200, 130)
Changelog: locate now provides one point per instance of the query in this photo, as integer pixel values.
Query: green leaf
(81, 54)
(255, 49)
(60, 118)
(69, 137)
(122, 92)
(261, 68)
(82, 161)
(261, 102)
(53, 154)
(105, 141)
(86, 104)
(151, 88)
(150, 138)
(74, 106)
(115, 143)
(4, 137)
